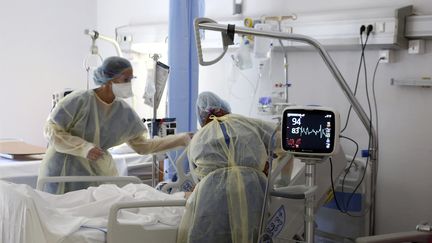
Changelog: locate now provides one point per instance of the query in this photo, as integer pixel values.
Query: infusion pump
(164, 126)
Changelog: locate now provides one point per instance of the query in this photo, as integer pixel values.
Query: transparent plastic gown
(228, 156)
(82, 121)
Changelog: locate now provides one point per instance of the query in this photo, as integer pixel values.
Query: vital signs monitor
(310, 130)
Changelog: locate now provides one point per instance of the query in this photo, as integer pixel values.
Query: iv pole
(155, 169)
(279, 20)
(226, 30)
(94, 35)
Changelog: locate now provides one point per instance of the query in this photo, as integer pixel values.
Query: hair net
(111, 68)
(207, 104)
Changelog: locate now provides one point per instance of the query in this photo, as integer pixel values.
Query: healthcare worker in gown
(228, 157)
(85, 124)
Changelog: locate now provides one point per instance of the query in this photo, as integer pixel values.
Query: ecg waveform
(321, 132)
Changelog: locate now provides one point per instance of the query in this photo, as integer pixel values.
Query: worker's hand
(190, 134)
(187, 195)
(187, 137)
(95, 153)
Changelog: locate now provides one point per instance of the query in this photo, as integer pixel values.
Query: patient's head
(209, 104)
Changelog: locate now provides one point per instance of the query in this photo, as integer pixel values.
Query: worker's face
(125, 77)
(121, 86)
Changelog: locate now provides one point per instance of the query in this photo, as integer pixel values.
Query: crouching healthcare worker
(228, 157)
(85, 124)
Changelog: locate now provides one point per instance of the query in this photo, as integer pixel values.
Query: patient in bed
(228, 156)
(28, 215)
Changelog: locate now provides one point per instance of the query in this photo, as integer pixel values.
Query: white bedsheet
(28, 215)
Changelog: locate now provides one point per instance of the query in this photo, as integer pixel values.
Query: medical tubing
(254, 87)
(286, 70)
(267, 191)
(285, 64)
(255, 93)
(198, 21)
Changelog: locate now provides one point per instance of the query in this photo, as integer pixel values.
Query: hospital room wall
(42, 50)
(112, 14)
(404, 181)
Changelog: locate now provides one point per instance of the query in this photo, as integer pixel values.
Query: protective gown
(228, 156)
(81, 121)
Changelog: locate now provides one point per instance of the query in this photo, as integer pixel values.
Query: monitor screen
(309, 131)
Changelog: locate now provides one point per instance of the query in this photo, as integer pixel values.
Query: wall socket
(416, 47)
(386, 56)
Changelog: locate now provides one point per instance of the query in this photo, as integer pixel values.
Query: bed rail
(135, 233)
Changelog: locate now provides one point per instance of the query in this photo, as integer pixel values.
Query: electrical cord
(374, 96)
(369, 30)
(363, 46)
(335, 198)
(347, 170)
(362, 61)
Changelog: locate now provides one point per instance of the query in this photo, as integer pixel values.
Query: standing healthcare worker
(85, 124)
(228, 156)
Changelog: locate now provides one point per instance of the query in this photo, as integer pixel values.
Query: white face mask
(123, 90)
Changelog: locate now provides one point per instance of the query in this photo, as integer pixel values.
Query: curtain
(183, 62)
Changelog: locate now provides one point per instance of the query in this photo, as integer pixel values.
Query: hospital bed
(285, 222)
(22, 171)
(116, 230)
(283, 226)
(287, 215)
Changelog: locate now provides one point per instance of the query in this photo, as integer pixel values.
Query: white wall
(404, 180)
(42, 48)
(113, 14)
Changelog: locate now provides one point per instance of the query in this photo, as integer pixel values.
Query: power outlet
(124, 41)
(386, 56)
(416, 47)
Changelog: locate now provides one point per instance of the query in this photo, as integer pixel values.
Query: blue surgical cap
(111, 68)
(208, 103)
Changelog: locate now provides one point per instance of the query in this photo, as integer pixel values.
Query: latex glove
(95, 153)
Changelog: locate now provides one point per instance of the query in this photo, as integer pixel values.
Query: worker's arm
(142, 145)
(65, 142)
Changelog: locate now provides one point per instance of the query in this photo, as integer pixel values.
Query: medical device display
(164, 126)
(312, 131)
